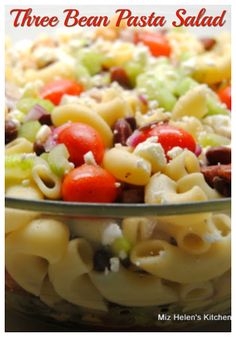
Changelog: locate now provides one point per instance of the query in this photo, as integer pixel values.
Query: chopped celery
(82, 75)
(121, 246)
(26, 104)
(133, 69)
(29, 130)
(215, 107)
(212, 139)
(18, 166)
(156, 90)
(185, 85)
(58, 160)
(92, 60)
(44, 156)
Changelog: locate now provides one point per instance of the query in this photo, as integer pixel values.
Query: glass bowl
(119, 267)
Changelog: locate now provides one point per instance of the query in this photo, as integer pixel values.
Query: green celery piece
(185, 85)
(25, 104)
(58, 160)
(29, 130)
(44, 156)
(133, 69)
(92, 60)
(156, 90)
(212, 139)
(215, 107)
(121, 244)
(18, 166)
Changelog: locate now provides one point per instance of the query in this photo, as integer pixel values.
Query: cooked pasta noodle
(31, 248)
(132, 289)
(69, 278)
(169, 262)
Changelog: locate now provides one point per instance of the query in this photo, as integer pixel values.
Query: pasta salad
(119, 116)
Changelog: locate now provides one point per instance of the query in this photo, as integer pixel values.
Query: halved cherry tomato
(79, 139)
(89, 183)
(167, 135)
(225, 96)
(56, 89)
(156, 42)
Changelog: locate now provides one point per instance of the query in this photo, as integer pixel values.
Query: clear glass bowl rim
(117, 209)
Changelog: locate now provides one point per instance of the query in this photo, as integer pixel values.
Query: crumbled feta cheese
(117, 184)
(106, 271)
(122, 255)
(67, 99)
(220, 123)
(152, 152)
(25, 156)
(174, 152)
(43, 133)
(160, 197)
(111, 233)
(153, 104)
(212, 237)
(25, 182)
(89, 158)
(114, 264)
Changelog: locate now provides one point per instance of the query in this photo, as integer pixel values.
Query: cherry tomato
(167, 135)
(156, 42)
(89, 183)
(79, 139)
(56, 89)
(225, 96)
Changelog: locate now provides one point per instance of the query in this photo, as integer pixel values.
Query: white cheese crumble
(114, 264)
(174, 152)
(43, 133)
(152, 152)
(111, 233)
(25, 156)
(117, 184)
(212, 237)
(25, 182)
(89, 158)
(122, 255)
(220, 123)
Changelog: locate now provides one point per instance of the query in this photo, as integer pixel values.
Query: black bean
(11, 131)
(101, 260)
(45, 119)
(38, 148)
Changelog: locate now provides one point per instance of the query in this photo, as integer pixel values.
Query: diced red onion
(51, 142)
(35, 113)
(198, 150)
(134, 139)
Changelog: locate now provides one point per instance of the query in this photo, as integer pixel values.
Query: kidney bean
(218, 154)
(221, 171)
(208, 43)
(132, 122)
(121, 131)
(119, 75)
(11, 131)
(222, 186)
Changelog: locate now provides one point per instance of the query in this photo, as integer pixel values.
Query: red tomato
(156, 42)
(168, 136)
(225, 96)
(56, 89)
(89, 183)
(79, 139)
